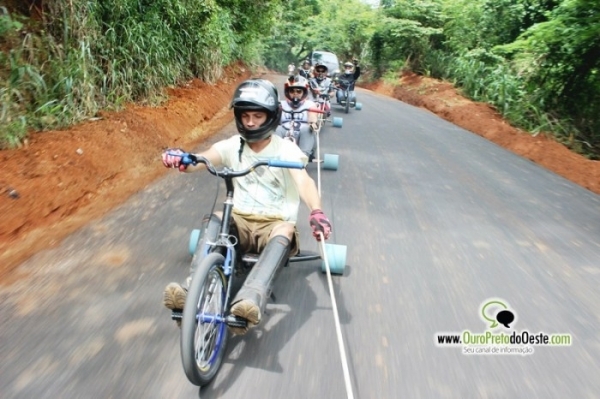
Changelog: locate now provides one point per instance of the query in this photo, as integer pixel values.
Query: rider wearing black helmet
(256, 95)
(265, 207)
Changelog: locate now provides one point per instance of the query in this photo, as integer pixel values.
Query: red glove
(319, 224)
(171, 158)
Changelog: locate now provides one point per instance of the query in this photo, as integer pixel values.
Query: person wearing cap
(348, 78)
(306, 69)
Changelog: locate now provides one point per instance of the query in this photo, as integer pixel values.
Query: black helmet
(320, 71)
(296, 82)
(256, 95)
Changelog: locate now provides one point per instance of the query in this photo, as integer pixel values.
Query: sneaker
(174, 296)
(248, 310)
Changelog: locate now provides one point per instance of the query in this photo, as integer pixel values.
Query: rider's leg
(250, 301)
(306, 140)
(175, 294)
(352, 98)
(339, 95)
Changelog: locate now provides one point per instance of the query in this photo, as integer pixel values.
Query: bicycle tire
(347, 104)
(203, 344)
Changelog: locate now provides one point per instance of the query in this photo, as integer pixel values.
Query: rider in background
(306, 69)
(301, 125)
(265, 204)
(291, 70)
(321, 84)
(348, 77)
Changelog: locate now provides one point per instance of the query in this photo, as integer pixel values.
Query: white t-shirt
(268, 191)
(286, 116)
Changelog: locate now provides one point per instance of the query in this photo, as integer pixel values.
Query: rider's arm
(330, 87)
(306, 188)
(213, 157)
(312, 117)
(356, 72)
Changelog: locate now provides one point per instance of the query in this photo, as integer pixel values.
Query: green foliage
(461, 27)
(8, 26)
(561, 59)
(436, 64)
(487, 77)
(103, 53)
(289, 40)
(407, 32)
(487, 23)
(537, 61)
(342, 27)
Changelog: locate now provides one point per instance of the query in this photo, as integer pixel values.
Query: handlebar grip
(285, 164)
(188, 159)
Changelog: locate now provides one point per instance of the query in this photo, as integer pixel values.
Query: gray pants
(259, 283)
(303, 137)
(340, 96)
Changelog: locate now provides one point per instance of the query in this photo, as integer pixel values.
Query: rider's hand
(355, 62)
(171, 158)
(319, 224)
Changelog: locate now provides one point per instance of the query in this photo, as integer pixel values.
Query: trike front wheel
(203, 328)
(347, 103)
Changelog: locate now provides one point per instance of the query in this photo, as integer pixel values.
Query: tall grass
(485, 77)
(86, 56)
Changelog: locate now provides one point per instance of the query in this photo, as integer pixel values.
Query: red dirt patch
(64, 179)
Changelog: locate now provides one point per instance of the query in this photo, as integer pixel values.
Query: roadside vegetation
(536, 61)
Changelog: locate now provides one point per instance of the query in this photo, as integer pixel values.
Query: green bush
(86, 56)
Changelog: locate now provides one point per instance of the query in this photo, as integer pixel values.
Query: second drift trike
(324, 104)
(292, 132)
(346, 96)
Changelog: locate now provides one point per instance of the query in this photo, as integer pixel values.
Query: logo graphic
(504, 317)
(500, 336)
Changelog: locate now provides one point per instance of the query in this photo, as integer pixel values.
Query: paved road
(436, 221)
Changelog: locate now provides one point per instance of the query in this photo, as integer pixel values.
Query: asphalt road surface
(437, 221)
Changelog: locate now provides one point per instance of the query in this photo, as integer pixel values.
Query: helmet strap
(242, 141)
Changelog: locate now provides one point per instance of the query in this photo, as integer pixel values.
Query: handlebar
(315, 110)
(191, 159)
